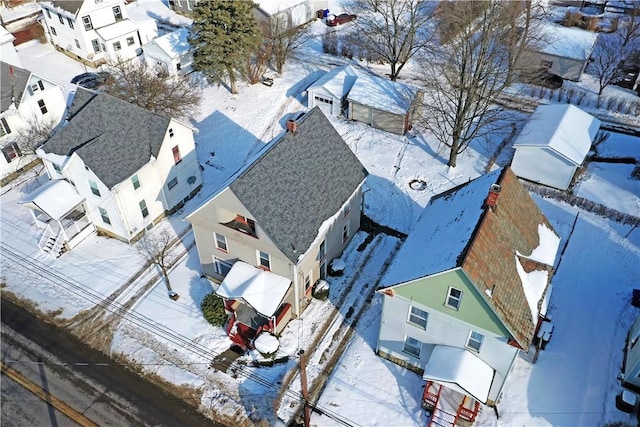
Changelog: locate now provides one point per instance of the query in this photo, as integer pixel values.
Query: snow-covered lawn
(573, 382)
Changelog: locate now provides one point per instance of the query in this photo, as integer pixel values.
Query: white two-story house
(27, 101)
(130, 166)
(94, 31)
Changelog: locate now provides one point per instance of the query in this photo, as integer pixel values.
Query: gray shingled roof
(12, 84)
(69, 5)
(299, 182)
(113, 137)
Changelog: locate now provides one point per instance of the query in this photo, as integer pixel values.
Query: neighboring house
(290, 212)
(330, 91)
(384, 104)
(131, 166)
(94, 32)
(170, 53)
(8, 51)
(468, 289)
(630, 375)
(293, 12)
(553, 144)
(184, 7)
(28, 101)
(562, 51)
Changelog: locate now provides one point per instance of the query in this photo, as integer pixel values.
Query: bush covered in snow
(213, 309)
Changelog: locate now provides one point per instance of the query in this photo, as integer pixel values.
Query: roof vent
(494, 192)
(292, 126)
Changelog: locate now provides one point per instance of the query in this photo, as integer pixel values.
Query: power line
(148, 325)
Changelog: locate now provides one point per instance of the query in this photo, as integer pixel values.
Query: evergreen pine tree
(223, 36)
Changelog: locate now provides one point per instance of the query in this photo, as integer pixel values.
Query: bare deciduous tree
(34, 131)
(151, 88)
(392, 30)
(464, 77)
(155, 249)
(607, 57)
(629, 26)
(257, 63)
(283, 39)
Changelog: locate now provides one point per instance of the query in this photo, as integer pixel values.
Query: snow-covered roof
(567, 42)
(460, 370)
(271, 7)
(55, 198)
(5, 36)
(266, 343)
(118, 29)
(563, 128)
(382, 94)
(262, 290)
(338, 81)
(174, 44)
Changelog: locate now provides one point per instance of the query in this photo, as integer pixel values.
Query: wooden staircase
(449, 408)
(52, 242)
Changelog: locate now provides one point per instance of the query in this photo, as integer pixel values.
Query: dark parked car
(90, 80)
(334, 20)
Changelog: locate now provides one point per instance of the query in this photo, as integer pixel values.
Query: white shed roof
(382, 94)
(262, 290)
(563, 128)
(460, 370)
(567, 42)
(55, 198)
(174, 44)
(338, 81)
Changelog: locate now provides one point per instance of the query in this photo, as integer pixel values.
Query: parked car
(335, 20)
(90, 80)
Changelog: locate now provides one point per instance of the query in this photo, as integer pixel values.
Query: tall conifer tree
(223, 35)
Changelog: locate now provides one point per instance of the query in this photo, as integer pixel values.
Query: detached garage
(329, 91)
(384, 104)
(553, 144)
(170, 53)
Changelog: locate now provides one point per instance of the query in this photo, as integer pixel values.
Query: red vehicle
(335, 20)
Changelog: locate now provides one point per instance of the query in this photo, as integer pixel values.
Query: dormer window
(86, 20)
(117, 13)
(243, 224)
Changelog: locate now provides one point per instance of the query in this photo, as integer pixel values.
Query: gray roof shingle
(13, 80)
(299, 182)
(113, 137)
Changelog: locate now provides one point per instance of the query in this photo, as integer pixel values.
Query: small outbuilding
(630, 375)
(384, 104)
(553, 144)
(170, 53)
(330, 91)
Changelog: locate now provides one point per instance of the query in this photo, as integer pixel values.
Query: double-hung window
(221, 242)
(86, 20)
(143, 209)
(4, 127)
(264, 260)
(94, 188)
(418, 317)
(453, 298)
(177, 158)
(412, 346)
(105, 215)
(221, 266)
(135, 181)
(474, 341)
(43, 107)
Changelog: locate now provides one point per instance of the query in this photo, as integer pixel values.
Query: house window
(418, 317)
(86, 20)
(453, 298)
(474, 342)
(221, 266)
(130, 41)
(96, 45)
(94, 188)
(117, 13)
(36, 87)
(43, 108)
(221, 242)
(70, 22)
(4, 127)
(323, 270)
(170, 132)
(546, 64)
(178, 66)
(345, 233)
(307, 283)
(61, 19)
(53, 31)
(77, 43)
(11, 152)
(322, 252)
(143, 209)
(412, 346)
(48, 13)
(117, 46)
(104, 215)
(264, 260)
(324, 100)
(176, 154)
(347, 209)
(135, 181)
(172, 183)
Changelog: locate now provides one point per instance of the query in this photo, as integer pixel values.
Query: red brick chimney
(492, 199)
(292, 126)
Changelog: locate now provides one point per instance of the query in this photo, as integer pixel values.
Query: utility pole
(305, 391)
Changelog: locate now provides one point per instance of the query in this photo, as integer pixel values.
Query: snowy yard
(573, 382)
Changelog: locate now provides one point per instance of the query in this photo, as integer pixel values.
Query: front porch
(59, 211)
(448, 407)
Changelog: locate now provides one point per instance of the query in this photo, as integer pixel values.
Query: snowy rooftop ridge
(567, 42)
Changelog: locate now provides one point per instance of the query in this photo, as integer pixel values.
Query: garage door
(360, 113)
(389, 122)
(325, 104)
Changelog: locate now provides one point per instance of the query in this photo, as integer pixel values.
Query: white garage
(329, 91)
(170, 53)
